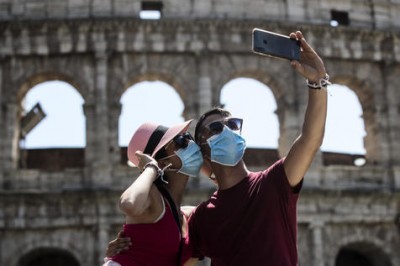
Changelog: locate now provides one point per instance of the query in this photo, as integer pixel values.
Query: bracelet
(322, 83)
(154, 166)
(160, 172)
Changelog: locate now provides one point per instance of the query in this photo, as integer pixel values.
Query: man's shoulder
(268, 176)
(203, 206)
(274, 169)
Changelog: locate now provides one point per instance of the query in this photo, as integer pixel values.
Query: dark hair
(217, 110)
(160, 154)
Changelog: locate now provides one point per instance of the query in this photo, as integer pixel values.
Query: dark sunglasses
(182, 140)
(233, 123)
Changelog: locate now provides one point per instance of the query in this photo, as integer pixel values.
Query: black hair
(215, 110)
(160, 154)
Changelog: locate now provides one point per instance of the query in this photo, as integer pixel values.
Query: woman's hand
(144, 159)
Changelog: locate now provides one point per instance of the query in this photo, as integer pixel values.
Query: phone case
(275, 45)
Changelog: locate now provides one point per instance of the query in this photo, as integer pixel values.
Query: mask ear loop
(162, 173)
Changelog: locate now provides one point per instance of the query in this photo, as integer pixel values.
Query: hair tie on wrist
(322, 83)
(160, 172)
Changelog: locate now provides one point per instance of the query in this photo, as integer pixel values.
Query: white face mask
(227, 148)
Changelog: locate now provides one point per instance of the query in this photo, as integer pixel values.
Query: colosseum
(58, 206)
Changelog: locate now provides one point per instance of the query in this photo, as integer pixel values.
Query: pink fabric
(252, 223)
(142, 135)
(153, 244)
(139, 141)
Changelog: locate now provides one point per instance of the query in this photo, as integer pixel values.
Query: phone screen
(275, 45)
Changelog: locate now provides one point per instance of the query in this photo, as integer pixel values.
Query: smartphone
(275, 45)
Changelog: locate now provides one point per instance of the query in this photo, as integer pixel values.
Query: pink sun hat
(149, 138)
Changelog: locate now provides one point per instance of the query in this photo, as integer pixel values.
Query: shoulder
(274, 176)
(199, 211)
(276, 169)
(277, 174)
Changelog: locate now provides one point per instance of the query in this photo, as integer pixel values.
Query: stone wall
(365, 14)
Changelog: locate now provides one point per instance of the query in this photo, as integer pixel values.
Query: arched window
(344, 130)
(254, 102)
(148, 101)
(64, 123)
(362, 254)
(351, 257)
(48, 257)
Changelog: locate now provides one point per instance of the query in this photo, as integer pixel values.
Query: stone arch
(153, 76)
(264, 77)
(277, 88)
(227, 67)
(36, 79)
(61, 152)
(260, 99)
(371, 248)
(179, 71)
(116, 108)
(344, 122)
(361, 254)
(367, 100)
(48, 256)
(35, 248)
(63, 106)
(141, 95)
(168, 78)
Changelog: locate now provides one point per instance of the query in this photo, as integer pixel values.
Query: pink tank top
(154, 244)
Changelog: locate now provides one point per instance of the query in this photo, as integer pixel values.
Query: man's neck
(229, 176)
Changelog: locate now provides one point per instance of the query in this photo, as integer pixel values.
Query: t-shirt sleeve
(278, 177)
(193, 237)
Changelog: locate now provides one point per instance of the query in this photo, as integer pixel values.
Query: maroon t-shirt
(252, 223)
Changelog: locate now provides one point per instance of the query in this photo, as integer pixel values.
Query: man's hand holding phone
(294, 48)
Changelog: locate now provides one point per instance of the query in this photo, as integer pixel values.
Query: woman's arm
(136, 199)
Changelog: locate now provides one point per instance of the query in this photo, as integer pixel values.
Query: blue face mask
(227, 148)
(191, 159)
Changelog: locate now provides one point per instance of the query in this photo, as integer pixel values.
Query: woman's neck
(176, 186)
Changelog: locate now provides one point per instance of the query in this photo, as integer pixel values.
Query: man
(251, 218)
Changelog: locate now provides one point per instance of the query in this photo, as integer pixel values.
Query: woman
(166, 158)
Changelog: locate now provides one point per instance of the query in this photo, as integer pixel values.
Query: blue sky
(64, 125)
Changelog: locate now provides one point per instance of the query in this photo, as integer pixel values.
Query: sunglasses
(232, 123)
(182, 140)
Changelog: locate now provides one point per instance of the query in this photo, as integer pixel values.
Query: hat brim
(171, 133)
